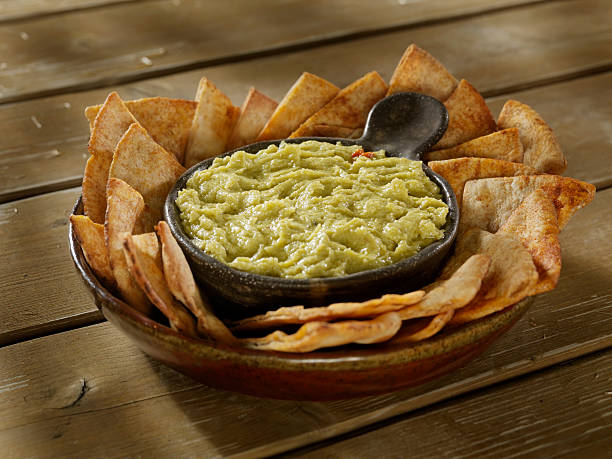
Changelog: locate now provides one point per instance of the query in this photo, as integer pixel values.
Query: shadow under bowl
(349, 372)
(243, 292)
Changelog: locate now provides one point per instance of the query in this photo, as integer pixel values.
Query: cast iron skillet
(404, 124)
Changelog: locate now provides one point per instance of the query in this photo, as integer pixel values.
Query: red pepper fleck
(360, 152)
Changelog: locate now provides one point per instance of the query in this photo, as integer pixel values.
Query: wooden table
(72, 385)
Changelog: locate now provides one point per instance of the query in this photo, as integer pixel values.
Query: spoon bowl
(404, 125)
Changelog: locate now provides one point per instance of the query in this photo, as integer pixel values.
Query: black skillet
(404, 124)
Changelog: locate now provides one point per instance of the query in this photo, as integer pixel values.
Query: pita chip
(419, 71)
(166, 120)
(147, 167)
(144, 262)
(254, 114)
(317, 335)
(503, 144)
(91, 238)
(111, 122)
(458, 171)
(468, 117)
(212, 125)
(307, 96)
(326, 130)
(488, 203)
(300, 314)
(510, 278)
(542, 150)
(125, 205)
(421, 329)
(348, 109)
(534, 223)
(181, 283)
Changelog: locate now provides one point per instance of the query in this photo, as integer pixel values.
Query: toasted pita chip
(504, 145)
(487, 203)
(510, 278)
(419, 71)
(468, 117)
(166, 120)
(317, 335)
(148, 168)
(458, 171)
(542, 150)
(348, 109)
(125, 205)
(212, 125)
(421, 329)
(307, 95)
(112, 121)
(145, 264)
(336, 311)
(453, 293)
(182, 285)
(254, 114)
(91, 237)
(534, 223)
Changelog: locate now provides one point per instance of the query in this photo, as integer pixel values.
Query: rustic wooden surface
(72, 386)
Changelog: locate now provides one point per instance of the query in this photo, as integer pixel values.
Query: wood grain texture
(559, 412)
(39, 289)
(12, 10)
(60, 389)
(130, 41)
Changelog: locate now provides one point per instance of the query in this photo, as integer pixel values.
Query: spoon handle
(405, 124)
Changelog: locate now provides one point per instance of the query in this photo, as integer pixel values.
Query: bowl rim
(354, 359)
(172, 217)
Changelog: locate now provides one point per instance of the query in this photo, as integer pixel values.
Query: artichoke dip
(311, 209)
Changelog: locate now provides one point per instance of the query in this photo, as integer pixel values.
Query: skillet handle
(405, 124)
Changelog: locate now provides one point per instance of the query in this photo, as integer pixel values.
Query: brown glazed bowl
(404, 124)
(348, 372)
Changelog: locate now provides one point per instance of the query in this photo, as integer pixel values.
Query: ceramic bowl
(351, 371)
(404, 124)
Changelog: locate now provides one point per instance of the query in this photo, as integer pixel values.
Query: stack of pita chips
(512, 206)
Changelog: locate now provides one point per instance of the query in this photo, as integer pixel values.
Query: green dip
(312, 209)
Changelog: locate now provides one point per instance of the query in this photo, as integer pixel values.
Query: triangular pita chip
(254, 114)
(166, 120)
(487, 203)
(307, 95)
(510, 278)
(349, 108)
(419, 71)
(468, 117)
(504, 145)
(421, 329)
(125, 205)
(458, 171)
(91, 238)
(542, 150)
(534, 223)
(212, 124)
(336, 311)
(452, 293)
(182, 285)
(147, 167)
(112, 121)
(145, 264)
(317, 335)
(326, 130)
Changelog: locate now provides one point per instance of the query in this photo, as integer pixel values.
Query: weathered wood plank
(54, 132)
(126, 42)
(39, 290)
(58, 393)
(12, 10)
(559, 412)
